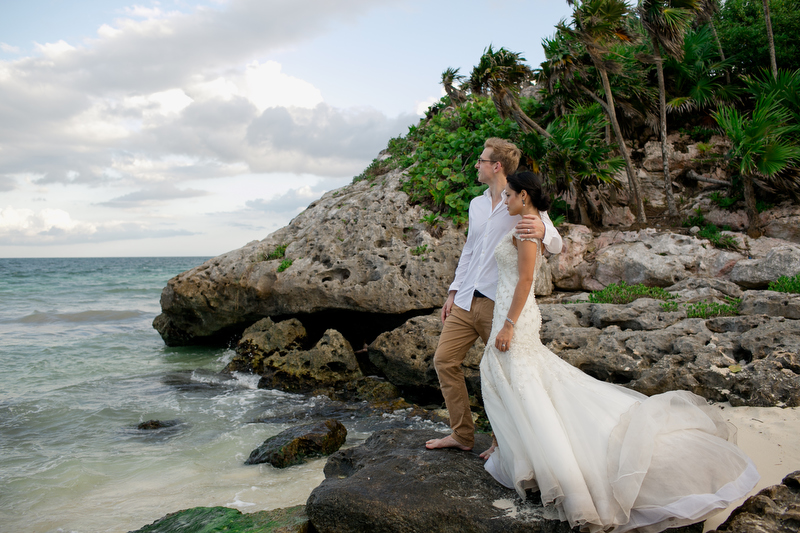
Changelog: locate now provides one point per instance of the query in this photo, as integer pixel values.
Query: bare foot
(485, 455)
(446, 442)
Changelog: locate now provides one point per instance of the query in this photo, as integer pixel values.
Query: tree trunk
(633, 179)
(511, 109)
(662, 107)
(719, 47)
(772, 62)
(753, 221)
(583, 208)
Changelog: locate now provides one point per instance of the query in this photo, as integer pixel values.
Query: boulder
(405, 355)
(276, 352)
(757, 273)
(293, 446)
(393, 483)
(775, 509)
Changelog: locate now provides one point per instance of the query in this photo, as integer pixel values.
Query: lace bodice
(526, 330)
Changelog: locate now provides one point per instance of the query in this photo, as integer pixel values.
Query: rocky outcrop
(295, 445)
(277, 353)
(393, 483)
(359, 249)
(775, 509)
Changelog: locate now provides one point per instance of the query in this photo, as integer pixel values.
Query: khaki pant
(459, 333)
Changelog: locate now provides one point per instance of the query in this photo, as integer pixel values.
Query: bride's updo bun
(533, 184)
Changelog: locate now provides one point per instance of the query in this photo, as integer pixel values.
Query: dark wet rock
(294, 445)
(276, 352)
(157, 424)
(208, 519)
(775, 509)
(393, 483)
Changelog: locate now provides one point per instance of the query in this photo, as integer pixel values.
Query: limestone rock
(405, 355)
(277, 353)
(771, 303)
(393, 483)
(775, 509)
(293, 446)
(361, 248)
(757, 273)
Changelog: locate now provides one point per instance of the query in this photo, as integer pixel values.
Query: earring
(523, 203)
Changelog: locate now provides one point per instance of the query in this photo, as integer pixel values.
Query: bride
(606, 458)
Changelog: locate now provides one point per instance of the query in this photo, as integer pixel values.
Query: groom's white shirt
(477, 268)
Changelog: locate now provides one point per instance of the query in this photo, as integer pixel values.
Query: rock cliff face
(358, 250)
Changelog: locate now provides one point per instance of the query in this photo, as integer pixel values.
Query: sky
(192, 127)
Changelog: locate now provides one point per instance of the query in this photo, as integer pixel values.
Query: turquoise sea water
(81, 367)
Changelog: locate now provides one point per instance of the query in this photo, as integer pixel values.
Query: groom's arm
(533, 227)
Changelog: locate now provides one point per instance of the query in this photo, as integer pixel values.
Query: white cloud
(291, 202)
(8, 48)
(56, 226)
(268, 87)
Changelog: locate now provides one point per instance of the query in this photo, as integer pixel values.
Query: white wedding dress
(605, 457)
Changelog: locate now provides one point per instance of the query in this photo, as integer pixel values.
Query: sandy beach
(771, 437)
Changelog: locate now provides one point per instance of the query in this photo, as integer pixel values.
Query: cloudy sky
(191, 127)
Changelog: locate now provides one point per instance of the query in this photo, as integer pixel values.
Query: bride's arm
(526, 261)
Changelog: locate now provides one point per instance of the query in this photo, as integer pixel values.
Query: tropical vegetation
(615, 75)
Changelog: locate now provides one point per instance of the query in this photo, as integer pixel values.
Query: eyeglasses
(486, 161)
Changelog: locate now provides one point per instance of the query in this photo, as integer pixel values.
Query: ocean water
(81, 367)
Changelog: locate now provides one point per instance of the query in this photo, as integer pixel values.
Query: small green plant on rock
(709, 309)
(695, 220)
(622, 293)
(278, 252)
(286, 263)
(712, 233)
(786, 284)
(670, 307)
(722, 200)
(419, 250)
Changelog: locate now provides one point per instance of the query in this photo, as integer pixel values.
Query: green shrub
(695, 220)
(419, 250)
(712, 233)
(278, 252)
(786, 284)
(622, 293)
(669, 306)
(724, 201)
(708, 309)
(286, 263)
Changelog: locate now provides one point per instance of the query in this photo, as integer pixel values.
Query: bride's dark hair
(532, 183)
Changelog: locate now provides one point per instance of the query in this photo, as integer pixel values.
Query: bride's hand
(503, 340)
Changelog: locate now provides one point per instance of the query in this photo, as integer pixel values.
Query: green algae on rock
(213, 519)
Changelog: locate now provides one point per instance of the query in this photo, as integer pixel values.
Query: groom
(467, 313)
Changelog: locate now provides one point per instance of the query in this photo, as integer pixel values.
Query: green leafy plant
(762, 206)
(669, 306)
(712, 233)
(286, 263)
(419, 250)
(722, 200)
(709, 309)
(786, 284)
(431, 219)
(622, 293)
(695, 220)
(278, 252)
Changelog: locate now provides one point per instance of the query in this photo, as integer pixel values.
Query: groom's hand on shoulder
(530, 227)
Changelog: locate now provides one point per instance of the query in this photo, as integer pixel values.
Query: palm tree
(596, 24)
(772, 63)
(705, 15)
(577, 159)
(457, 96)
(696, 81)
(666, 22)
(503, 72)
(761, 146)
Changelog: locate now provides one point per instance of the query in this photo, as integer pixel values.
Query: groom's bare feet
(486, 454)
(446, 442)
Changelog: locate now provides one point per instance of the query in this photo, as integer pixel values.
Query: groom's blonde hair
(504, 152)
